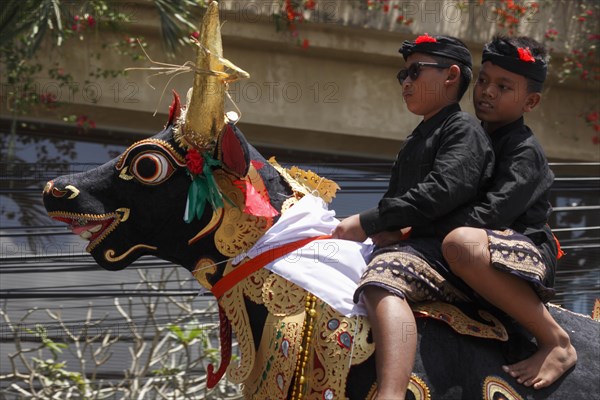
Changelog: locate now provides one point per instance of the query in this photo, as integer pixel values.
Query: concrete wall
(339, 95)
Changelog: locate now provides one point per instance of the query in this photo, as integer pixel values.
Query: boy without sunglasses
(511, 263)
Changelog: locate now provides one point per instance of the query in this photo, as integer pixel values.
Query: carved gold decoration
(212, 224)
(276, 358)
(290, 202)
(203, 268)
(325, 188)
(307, 182)
(239, 231)
(493, 385)
(418, 388)
(461, 323)
(122, 213)
(338, 342)
(234, 307)
(252, 286)
(282, 297)
(109, 254)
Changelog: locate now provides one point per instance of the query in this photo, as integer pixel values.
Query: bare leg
(467, 252)
(395, 334)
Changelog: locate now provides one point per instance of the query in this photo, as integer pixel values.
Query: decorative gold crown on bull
(205, 118)
(203, 121)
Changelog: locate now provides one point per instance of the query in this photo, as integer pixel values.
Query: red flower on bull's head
(425, 39)
(525, 55)
(194, 161)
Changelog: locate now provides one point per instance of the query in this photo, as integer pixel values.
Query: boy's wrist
(370, 221)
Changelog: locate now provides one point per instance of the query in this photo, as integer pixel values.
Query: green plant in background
(58, 359)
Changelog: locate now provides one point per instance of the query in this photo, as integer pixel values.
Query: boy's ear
(532, 100)
(453, 74)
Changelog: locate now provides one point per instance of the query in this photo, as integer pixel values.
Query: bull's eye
(151, 168)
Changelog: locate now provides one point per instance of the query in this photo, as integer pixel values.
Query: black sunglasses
(414, 70)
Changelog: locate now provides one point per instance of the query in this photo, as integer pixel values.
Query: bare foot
(544, 367)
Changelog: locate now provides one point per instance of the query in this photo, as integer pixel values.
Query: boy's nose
(490, 91)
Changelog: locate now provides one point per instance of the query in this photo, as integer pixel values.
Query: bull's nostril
(58, 193)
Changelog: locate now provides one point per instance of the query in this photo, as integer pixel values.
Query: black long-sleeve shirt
(445, 163)
(519, 194)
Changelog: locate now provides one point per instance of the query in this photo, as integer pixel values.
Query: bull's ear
(233, 151)
(174, 109)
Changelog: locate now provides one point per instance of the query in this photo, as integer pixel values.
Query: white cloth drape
(328, 268)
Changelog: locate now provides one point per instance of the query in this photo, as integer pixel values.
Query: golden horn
(205, 114)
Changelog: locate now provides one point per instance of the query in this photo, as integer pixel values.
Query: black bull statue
(293, 345)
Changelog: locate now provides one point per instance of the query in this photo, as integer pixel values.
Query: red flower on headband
(425, 39)
(525, 55)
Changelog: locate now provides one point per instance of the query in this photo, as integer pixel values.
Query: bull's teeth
(86, 235)
(95, 228)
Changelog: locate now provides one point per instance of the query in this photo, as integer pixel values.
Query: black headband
(520, 61)
(442, 46)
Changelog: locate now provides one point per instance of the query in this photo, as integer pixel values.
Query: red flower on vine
(83, 121)
(592, 117)
(91, 21)
(310, 5)
(551, 34)
(48, 98)
(525, 55)
(425, 39)
(194, 161)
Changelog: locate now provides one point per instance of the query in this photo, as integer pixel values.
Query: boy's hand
(385, 238)
(350, 229)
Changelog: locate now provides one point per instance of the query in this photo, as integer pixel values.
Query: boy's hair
(510, 46)
(446, 50)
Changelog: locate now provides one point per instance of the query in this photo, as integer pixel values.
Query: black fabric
(519, 194)
(518, 197)
(437, 45)
(445, 163)
(495, 53)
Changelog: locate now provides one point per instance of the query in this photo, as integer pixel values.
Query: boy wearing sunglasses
(513, 266)
(444, 164)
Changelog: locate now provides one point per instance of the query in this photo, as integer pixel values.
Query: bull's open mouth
(92, 227)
